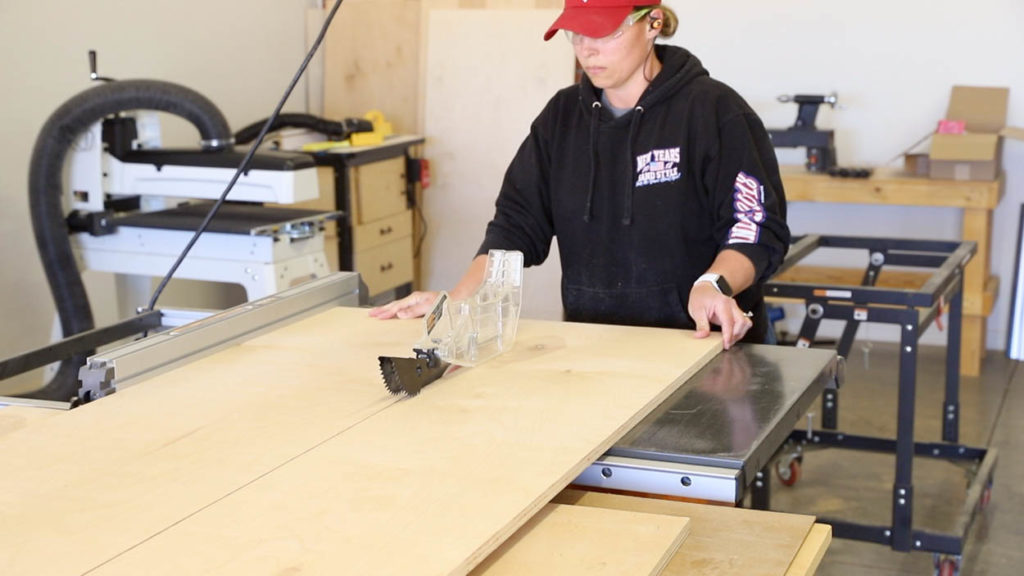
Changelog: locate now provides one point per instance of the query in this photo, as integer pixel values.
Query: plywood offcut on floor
(588, 541)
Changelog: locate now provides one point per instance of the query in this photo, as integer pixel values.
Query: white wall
(239, 53)
(892, 64)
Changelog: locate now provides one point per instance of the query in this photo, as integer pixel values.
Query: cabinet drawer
(386, 266)
(366, 236)
(379, 189)
(332, 251)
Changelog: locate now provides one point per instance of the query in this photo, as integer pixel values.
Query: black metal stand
(913, 311)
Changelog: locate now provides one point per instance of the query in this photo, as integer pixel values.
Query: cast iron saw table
(716, 435)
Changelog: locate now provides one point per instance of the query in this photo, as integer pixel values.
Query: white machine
(135, 206)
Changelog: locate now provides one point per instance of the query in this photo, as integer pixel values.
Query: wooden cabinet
(376, 234)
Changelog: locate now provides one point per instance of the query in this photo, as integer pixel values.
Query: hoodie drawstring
(595, 118)
(627, 210)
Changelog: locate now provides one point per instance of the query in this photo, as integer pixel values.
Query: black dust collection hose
(334, 130)
(45, 190)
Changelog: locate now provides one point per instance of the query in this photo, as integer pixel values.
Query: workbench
(279, 451)
(376, 187)
(977, 200)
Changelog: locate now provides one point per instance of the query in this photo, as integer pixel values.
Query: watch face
(723, 286)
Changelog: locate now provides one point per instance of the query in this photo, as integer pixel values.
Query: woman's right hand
(414, 305)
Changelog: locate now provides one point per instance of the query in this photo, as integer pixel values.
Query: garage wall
(892, 65)
(239, 53)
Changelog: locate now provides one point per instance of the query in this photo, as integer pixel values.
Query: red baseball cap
(595, 18)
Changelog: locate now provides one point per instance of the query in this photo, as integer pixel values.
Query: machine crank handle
(93, 74)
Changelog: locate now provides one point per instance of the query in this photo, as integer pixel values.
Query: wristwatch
(716, 280)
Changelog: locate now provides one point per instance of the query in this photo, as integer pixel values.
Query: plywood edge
(809, 557)
(569, 540)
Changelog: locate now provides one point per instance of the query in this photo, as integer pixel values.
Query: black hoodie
(641, 204)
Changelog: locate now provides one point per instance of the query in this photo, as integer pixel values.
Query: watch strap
(717, 281)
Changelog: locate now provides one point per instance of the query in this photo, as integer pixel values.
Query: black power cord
(244, 166)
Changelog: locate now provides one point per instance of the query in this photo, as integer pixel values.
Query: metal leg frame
(913, 319)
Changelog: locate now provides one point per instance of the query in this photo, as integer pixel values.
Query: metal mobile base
(913, 311)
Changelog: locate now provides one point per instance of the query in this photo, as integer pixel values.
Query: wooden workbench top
(891, 187)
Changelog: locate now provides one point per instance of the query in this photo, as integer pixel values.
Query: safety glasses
(576, 38)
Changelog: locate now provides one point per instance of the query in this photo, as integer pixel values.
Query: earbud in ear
(656, 24)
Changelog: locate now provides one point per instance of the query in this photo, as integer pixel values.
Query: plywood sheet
(588, 541)
(371, 61)
(722, 540)
(434, 483)
(373, 57)
(14, 418)
(94, 481)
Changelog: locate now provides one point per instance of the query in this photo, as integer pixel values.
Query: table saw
(262, 440)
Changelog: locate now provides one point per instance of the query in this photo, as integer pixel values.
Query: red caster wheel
(947, 567)
(788, 473)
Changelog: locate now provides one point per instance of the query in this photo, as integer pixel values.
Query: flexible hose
(45, 183)
(330, 128)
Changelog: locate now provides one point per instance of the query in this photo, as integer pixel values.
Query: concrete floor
(856, 486)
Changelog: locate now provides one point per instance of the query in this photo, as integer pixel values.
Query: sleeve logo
(748, 202)
(657, 166)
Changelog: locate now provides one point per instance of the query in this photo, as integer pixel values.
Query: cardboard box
(976, 154)
(916, 164)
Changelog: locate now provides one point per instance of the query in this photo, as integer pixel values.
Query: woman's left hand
(709, 306)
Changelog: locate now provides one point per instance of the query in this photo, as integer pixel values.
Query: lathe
(262, 439)
(820, 144)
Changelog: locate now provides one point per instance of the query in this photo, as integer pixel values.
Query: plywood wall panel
(371, 61)
(488, 75)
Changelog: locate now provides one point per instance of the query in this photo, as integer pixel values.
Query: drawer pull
(386, 267)
(386, 231)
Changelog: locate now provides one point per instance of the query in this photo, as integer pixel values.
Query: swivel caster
(788, 470)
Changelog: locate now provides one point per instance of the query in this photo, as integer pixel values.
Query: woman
(660, 183)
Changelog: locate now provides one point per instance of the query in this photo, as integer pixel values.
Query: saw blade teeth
(392, 381)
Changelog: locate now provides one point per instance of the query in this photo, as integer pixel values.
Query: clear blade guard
(468, 332)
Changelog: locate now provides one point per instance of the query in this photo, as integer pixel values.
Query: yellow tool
(381, 129)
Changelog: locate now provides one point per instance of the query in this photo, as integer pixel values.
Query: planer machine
(105, 195)
(134, 205)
